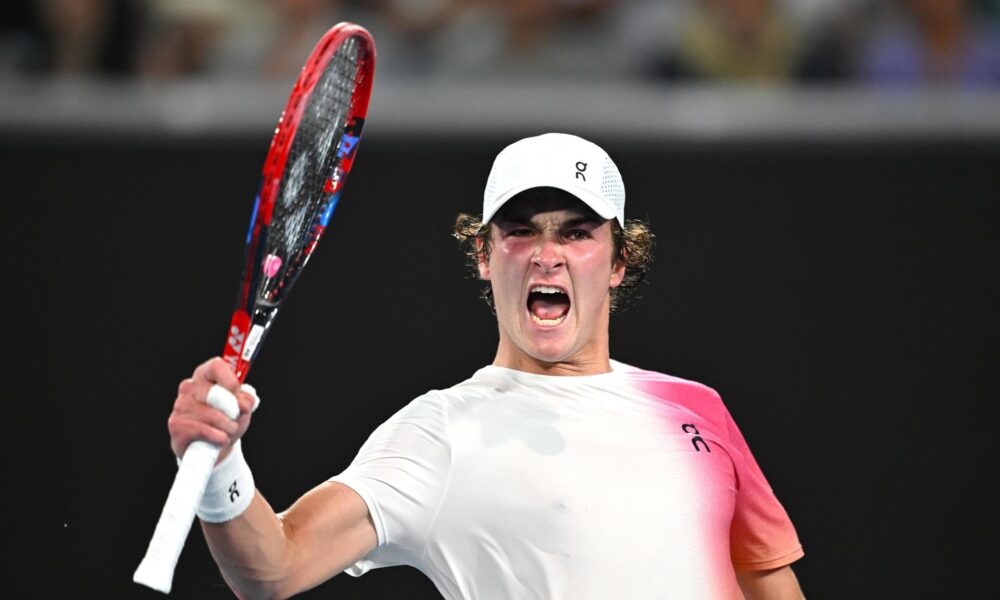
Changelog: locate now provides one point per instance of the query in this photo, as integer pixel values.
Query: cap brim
(593, 201)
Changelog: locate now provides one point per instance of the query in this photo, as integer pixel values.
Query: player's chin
(551, 344)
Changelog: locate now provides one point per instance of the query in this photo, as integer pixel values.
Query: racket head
(311, 154)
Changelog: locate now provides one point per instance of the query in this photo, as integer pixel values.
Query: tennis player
(554, 472)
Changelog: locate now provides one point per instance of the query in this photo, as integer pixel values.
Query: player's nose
(548, 254)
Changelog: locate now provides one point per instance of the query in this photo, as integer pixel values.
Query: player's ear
(484, 263)
(618, 271)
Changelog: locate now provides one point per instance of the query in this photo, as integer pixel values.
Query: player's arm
(260, 553)
(263, 554)
(770, 584)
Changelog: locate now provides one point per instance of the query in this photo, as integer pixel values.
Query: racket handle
(157, 568)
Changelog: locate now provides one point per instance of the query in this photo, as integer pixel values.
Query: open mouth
(548, 305)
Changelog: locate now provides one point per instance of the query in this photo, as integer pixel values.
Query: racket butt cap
(153, 576)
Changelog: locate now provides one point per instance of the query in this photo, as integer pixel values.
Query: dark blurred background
(822, 176)
(895, 43)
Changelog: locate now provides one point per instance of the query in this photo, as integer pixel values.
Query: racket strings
(312, 159)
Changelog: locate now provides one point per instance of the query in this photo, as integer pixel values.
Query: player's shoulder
(443, 399)
(427, 409)
(662, 382)
(693, 397)
(639, 374)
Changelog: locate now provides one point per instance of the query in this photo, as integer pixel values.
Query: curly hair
(633, 245)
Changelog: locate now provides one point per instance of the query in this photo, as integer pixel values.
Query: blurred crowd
(869, 42)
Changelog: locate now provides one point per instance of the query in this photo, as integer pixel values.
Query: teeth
(546, 289)
(548, 322)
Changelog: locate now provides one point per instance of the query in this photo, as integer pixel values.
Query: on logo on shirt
(690, 428)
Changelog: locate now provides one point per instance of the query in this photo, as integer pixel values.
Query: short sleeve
(761, 535)
(401, 473)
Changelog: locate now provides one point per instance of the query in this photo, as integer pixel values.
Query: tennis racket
(311, 154)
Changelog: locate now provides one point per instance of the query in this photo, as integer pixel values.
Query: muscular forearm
(264, 555)
(252, 551)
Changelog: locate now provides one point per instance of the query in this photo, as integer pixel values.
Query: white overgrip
(156, 570)
(220, 398)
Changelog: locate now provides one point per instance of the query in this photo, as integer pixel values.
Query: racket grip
(156, 570)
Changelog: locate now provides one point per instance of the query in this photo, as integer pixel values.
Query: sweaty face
(551, 267)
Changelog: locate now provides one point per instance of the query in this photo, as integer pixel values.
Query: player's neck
(592, 362)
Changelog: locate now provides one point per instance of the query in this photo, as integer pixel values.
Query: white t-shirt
(629, 484)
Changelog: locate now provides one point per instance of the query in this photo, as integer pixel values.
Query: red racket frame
(274, 166)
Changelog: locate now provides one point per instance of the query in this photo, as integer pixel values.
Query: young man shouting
(554, 472)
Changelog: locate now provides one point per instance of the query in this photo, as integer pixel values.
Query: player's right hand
(194, 419)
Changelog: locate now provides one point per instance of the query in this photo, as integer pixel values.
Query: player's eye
(577, 234)
(519, 232)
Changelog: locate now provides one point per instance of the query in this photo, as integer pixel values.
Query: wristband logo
(234, 493)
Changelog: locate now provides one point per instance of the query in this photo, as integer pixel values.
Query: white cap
(556, 160)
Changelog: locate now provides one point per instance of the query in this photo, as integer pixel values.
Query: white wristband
(230, 489)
